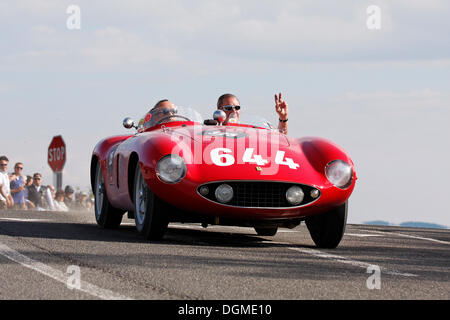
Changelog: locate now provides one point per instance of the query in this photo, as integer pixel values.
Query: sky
(382, 94)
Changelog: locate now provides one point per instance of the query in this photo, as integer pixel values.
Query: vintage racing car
(181, 168)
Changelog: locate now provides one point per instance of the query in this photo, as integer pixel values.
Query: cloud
(112, 47)
(142, 35)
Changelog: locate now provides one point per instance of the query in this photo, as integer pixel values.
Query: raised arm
(281, 108)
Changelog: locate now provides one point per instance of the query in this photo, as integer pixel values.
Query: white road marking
(409, 236)
(341, 259)
(362, 235)
(57, 275)
(24, 219)
(324, 255)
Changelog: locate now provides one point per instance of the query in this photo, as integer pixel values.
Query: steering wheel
(174, 116)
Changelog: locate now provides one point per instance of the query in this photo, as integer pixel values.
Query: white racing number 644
(221, 157)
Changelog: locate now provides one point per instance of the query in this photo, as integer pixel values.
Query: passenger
(230, 104)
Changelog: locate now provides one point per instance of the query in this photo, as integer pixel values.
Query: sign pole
(58, 178)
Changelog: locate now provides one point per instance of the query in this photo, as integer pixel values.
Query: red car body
(219, 154)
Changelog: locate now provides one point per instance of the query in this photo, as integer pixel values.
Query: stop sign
(57, 154)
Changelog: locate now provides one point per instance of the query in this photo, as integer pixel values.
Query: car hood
(236, 153)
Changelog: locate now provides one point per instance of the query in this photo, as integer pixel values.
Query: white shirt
(4, 183)
(60, 206)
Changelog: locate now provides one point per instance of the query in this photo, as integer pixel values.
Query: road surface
(48, 255)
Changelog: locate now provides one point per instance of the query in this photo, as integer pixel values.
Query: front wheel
(149, 217)
(106, 215)
(327, 229)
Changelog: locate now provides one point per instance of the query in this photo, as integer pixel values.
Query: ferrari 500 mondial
(177, 167)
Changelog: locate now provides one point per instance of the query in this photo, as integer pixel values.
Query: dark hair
(158, 103)
(37, 173)
(225, 96)
(4, 158)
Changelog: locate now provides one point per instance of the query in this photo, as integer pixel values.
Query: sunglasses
(165, 112)
(229, 108)
(3, 164)
(20, 168)
(37, 178)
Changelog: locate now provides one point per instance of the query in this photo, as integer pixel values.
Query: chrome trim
(349, 183)
(272, 208)
(179, 180)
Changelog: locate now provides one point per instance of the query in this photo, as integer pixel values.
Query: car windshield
(164, 115)
(255, 120)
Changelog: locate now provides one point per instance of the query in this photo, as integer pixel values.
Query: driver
(229, 103)
(161, 112)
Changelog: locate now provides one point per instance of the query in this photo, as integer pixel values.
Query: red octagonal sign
(57, 154)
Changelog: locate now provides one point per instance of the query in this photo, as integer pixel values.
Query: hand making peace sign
(281, 107)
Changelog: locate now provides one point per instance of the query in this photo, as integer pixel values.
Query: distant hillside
(414, 224)
(378, 223)
(410, 224)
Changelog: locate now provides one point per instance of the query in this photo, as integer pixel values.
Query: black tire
(106, 215)
(327, 229)
(261, 231)
(151, 223)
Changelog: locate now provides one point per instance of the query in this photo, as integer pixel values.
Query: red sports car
(177, 167)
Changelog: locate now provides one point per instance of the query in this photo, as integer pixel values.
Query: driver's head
(164, 109)
(229, 103)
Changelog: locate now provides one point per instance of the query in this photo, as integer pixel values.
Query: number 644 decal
(221, 157)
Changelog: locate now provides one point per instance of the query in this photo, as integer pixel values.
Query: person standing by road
(17, 185)
(68, 197)
(6, 201)
(59, 201)
(39, 194)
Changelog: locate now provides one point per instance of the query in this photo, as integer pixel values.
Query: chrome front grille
(258, 194)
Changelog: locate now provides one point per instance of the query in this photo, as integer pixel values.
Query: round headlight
(224, 193)
(204, 190)
(294, 195)
(339, 173)
(171, 168)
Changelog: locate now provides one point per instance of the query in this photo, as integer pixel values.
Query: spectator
(17, 185)
(59, 201)
(80, 201)
(6, 200)
(68, 200)
(29, 181)
(40, 195)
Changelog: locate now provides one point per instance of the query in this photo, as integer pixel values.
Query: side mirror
(128, 123)
(219, 116)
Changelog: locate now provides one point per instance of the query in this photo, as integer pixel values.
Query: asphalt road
(47, 255)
